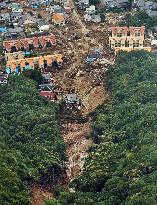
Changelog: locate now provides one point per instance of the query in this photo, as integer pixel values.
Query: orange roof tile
(116, 30)
(134, 29)
(22, 64)
(57, 17)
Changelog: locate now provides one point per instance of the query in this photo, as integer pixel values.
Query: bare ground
(90, 88)
(40, 194)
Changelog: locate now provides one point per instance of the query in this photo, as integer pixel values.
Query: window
(128, 33)
(126, 43)
(136, 44)
(117, 44)
(119, 34)
(137, 33)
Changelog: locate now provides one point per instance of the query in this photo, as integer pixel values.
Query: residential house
(14, 56)
(15, 30)
(31, 2)
(34, 6)
(127, 39)
(151, 13)
(87, 17)
(108, 3)
(49, 95)
(3, 78)
(2, 5)
(122, 3)
(90, 10)
(149, 6)
(5, 17)
(7, 36)
(28, 20)
(31, 62)
(58, 9)
(93, 17)
(15, 16)
(48, 91)
(25, 43)
(46, 87)
(83, 4)
(46, 16)
(43, 26)
(16, 7)
(45, 2)
(139, 4)
(115, 3)
(154, 43)
(58, 19)
(68, 9)
(47, 77)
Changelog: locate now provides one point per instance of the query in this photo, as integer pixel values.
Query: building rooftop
(46, 87)
(42, 23)
(72, 98)
(57, 17)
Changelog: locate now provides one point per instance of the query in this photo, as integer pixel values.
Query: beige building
(39, 61)
(127, 39)
(14, 56)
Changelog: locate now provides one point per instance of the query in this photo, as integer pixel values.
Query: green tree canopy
(121, 168)
(31, 145)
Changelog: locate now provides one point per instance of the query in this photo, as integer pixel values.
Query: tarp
(17, 70)
(3, 29)
(27, 67)
(8, 70)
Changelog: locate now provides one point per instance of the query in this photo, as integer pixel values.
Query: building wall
(14, 56)
(44, 28)
(124, 38)
(34, 61)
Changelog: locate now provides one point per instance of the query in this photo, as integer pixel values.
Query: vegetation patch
(31, 146)
(121, 168)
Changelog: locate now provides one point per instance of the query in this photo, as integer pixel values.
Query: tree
(34, 75)
(121, 168)
(31, 147)
(94, 2)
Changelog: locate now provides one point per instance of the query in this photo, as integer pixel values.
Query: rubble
(76, 82)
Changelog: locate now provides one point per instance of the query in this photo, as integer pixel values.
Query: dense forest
(31, 146)
(121, 168)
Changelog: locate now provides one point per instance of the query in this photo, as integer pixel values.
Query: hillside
(31, 146)
(121, 166)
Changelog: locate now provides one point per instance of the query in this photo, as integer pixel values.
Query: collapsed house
(47, 77)
(95, 55)
(72, 101)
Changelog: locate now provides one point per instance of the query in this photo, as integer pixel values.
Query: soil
(40, 194)
(88, 83)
